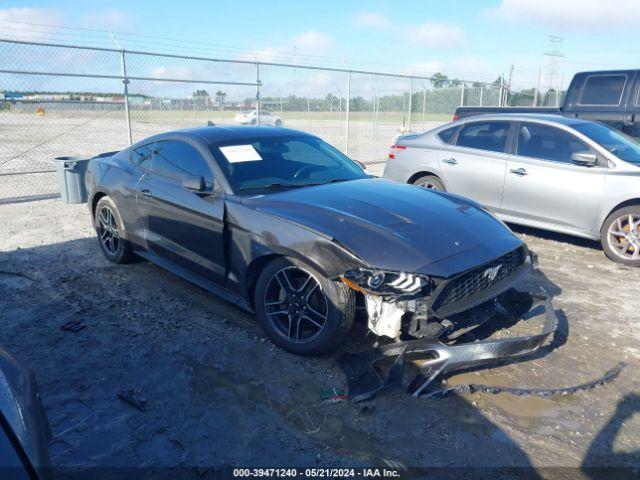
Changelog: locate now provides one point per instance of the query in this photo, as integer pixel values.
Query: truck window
(603, 90)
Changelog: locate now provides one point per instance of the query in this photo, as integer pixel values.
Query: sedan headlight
(382, 282)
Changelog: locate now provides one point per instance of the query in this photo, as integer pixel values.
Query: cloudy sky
(463, 38)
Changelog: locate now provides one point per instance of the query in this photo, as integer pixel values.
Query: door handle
(521, 172)
(450, 161)
(145, 192)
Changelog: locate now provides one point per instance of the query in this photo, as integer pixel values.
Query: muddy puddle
(523, 410)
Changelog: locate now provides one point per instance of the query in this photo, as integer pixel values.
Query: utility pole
(506, 87)
(554, 56)
(536, 94)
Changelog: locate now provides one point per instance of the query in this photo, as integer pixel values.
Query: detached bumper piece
(383, 367)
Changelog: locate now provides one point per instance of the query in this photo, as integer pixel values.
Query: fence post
(258, 90)
(424, 105)
(462, 94)
(125, 81)
(346, 142)
(410, 102)
(481, 88)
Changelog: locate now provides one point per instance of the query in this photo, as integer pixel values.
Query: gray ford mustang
(286, 226)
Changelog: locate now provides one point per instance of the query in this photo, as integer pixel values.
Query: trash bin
(71, 171)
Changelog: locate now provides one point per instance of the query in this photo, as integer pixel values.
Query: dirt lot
(213, 392)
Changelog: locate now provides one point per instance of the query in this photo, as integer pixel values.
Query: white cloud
(14, 22)
(313, 43)
(469, 67)
(425, 68)
(109, 20)
(570, 13)
(266, 54)
(372, 20)
(435, 34)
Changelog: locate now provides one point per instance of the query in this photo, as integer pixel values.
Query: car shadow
(601, 459)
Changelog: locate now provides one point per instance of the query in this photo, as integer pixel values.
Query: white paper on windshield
(240, 153)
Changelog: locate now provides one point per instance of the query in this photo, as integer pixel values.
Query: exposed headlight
(381, 282)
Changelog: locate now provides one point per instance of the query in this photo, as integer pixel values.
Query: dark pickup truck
(609, 96)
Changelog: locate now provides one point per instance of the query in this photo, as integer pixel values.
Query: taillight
(396, 147)
(455, 117)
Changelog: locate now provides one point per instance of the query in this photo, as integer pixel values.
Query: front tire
(430, 182)
(620, 236)
(278, 123)
(300, 310)
(111, 233)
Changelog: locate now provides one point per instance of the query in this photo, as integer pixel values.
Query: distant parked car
(547, 171)
(250, 117)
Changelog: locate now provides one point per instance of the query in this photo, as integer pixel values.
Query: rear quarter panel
(117, 177)
(420, 157)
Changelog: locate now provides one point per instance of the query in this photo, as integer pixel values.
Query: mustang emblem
(492, 273)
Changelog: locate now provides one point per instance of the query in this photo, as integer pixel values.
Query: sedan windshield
(275, 163)
(622, 146)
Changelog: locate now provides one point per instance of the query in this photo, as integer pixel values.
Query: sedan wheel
(299, 309)
(295, 304)
(621, 236)
(430, 182)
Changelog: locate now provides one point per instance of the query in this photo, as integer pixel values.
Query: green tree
(439, 80)
(220, 96)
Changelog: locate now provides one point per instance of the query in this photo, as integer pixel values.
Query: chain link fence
(61, 100)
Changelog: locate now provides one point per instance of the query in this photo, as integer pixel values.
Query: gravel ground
(209, 390)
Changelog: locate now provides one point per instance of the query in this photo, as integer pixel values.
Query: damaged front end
(429, 319)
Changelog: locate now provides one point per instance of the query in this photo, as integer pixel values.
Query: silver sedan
(546, 171)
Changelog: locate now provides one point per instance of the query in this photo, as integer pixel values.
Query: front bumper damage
(383, 366)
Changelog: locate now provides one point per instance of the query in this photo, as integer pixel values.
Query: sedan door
(183, 226)
(474, 166)
(545, 188)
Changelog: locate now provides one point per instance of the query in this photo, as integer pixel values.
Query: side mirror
(586, 159)
(193, 183)
(362, 165)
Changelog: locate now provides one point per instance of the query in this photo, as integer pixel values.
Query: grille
(479, 279)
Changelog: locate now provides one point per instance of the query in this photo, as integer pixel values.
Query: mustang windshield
(273, 163)
(621, 145)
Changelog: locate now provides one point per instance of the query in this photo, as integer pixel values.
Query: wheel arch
(424, 173)
(94, 202)
(258, 264)
(627, 203)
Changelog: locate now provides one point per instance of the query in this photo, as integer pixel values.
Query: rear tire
(278, 123)
(620, 236)
(430, 182)
(300, 310)
(111, 233)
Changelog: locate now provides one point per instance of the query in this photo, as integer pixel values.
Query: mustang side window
(175, 159)
(490, 136)
(548, 143)
(142, 155)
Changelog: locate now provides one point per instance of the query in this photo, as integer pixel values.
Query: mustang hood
(395, 226)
